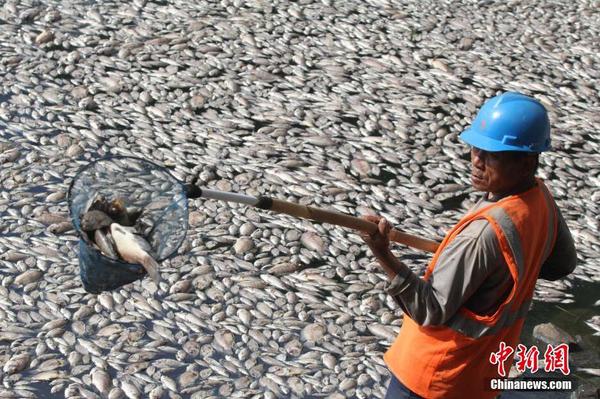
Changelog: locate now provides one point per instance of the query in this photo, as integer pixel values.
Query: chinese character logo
(528, 359)
(557, 358)
(498, 358)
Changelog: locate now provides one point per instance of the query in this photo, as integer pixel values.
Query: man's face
(498, 172)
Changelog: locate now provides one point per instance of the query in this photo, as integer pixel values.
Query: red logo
(528, 359)
(556, 358)
(500, 357)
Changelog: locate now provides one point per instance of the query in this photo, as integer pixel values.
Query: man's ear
(531, 163)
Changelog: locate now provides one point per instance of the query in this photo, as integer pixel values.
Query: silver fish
(134, 249)
(105, 243)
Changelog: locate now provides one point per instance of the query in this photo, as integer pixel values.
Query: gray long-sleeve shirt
(471, 271)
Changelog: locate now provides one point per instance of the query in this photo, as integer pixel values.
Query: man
(478, 287)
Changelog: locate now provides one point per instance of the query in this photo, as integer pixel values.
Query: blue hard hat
(510, 122)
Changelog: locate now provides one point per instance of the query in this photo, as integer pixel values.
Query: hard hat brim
(476, 139)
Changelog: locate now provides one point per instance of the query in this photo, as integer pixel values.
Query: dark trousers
(397, 390)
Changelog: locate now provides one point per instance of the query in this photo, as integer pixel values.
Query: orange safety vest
(453, 360)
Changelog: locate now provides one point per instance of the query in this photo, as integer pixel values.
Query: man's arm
(461, 269)
(563, 258)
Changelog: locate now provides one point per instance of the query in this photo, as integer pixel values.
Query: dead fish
(134, 249)
(96, 202)
(105, 244)
(116, 209)
(101, 380)
(95, 220)
(143, 224)
(120, 214)
(590, 371)
(16, 363)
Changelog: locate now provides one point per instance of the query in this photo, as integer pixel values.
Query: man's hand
(379, 242)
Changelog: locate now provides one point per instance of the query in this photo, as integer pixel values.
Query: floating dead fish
(105, 243)
(120, 214)
(17, 363)
(134, 249)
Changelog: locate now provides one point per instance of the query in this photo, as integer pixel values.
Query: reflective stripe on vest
(475, 329)
(509, 230)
